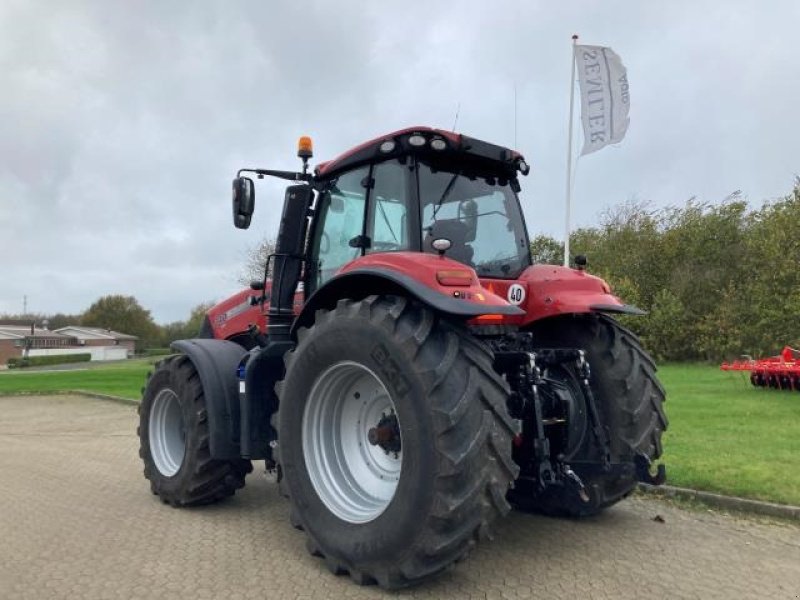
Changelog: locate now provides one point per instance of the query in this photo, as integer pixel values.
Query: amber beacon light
(305, 147)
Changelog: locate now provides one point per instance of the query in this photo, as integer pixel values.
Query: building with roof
(98, 336)
(18, 340)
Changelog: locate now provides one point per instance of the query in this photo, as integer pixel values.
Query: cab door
(363, 211)
(339, 226)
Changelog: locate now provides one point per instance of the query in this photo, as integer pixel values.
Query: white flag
(604, 96)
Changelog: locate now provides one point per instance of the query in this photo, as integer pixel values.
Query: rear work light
(454, 277)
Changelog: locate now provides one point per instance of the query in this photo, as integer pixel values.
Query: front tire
(173, 439)
(395, 442)
(630, 400)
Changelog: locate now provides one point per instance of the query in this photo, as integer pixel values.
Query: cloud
(122, 125)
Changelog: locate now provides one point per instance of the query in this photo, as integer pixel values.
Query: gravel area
(78, 521)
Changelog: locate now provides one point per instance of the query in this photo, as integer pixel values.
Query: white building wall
(97, 352)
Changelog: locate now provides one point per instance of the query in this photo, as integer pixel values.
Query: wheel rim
(352, 442)
(167, 432)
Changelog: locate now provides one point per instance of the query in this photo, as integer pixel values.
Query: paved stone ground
(77, 520)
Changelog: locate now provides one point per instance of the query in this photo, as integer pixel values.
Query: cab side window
(341, 220)
(387, 224)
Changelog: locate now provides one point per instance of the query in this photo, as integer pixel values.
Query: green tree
(721, 334)
(123, 314)
(628, 292)
(182, 330)
(196, 317)
(55, 321)
(59, 320)
(547, 250)
(665, 331)
(770, 284)
(625, 247)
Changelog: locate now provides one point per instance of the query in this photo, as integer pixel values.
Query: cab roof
(457, 146)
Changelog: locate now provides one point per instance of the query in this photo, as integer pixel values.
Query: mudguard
(264, 368)
(216, 362)
(365, 280)
(554, 290)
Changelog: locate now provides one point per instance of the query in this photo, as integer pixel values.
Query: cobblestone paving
(77, 520)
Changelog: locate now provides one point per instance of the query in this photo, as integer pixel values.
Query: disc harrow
(779, 372)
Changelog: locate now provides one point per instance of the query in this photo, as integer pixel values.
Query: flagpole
(567, 225)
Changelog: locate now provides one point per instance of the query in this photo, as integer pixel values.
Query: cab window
(387, 225)
(341, 220)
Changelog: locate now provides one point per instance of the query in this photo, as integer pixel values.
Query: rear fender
(216, 362)
(554, 290)
(407, 274)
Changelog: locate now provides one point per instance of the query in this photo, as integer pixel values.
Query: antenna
(455, 121)
(515, 115)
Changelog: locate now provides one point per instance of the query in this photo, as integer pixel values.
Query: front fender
(216, 362)
(555, 290)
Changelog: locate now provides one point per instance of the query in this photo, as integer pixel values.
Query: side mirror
(244, 202)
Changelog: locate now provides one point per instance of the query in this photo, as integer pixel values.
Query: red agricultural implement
(779, 372)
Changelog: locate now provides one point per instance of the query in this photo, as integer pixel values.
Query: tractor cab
(416, 203)
(415, 190)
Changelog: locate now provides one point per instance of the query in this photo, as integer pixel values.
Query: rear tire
(630, 400)
(454, 463)
(173, 439)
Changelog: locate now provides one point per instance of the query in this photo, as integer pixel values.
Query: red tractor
(404, 367)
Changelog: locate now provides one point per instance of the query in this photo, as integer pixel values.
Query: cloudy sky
(122, 123)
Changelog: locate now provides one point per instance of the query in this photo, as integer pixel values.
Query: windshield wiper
(445, 193)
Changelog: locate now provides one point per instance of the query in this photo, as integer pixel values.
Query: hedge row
(40, 361)
(718, 281)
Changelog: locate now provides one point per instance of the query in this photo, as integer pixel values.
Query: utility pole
(25, 305)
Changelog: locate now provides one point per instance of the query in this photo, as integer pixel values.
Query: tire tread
(211, 480)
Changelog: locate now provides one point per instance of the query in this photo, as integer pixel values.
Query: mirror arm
(288, 175)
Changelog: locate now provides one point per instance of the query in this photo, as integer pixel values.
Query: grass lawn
(124, 379)
(727, 436)
(724, 436)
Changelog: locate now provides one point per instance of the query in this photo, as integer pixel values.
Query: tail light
(454, 277)
(489, 319)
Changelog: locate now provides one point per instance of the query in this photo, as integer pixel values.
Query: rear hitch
(643, 474)
(541, 444)
(559, 356)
